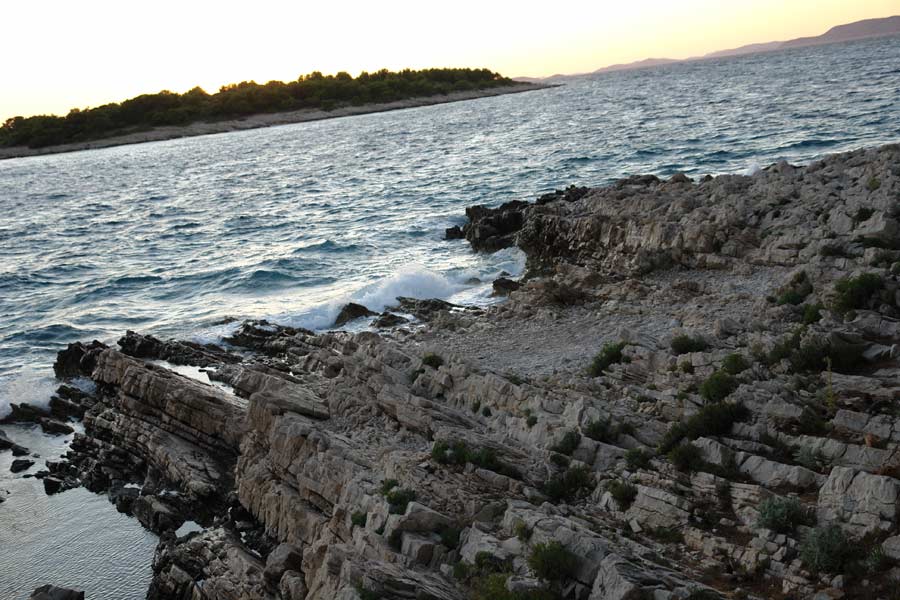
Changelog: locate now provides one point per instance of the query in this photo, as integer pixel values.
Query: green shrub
(486, 411)
(622, 492)
(855, 292)
(863, 214)
(458, 453)
(388, 484)
(476, 406)
(666, 535)
(398, 499)
(812, 356)
(522, 531)
(876, 560)
(600, 430)
(610, 354)
(873, 184)
(718, 386)
(734, 364)
(531, 421)
(637, 458)
(711, 420)
(783, 515)
(784, 347)
(494, 587)
(797, 291)
(687, 367)
(568, 444)
(449, 536)
(567, 486)
(812, 313)
(560, 460)
(686, 457)
(825, 549)
(359, 519)
(683, 344)
(552, 562)
(432, 360)
(809, 458)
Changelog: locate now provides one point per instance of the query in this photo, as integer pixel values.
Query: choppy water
(288, 222)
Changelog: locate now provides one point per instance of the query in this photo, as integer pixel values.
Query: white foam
(27, 387)
(195, 373)
(752, 170)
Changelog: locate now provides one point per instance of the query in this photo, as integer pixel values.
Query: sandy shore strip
(266, 120)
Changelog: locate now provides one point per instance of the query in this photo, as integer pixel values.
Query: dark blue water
(169, 237)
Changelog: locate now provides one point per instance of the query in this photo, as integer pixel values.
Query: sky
(61, 54)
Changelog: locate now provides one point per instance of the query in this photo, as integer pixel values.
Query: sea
(289, 223)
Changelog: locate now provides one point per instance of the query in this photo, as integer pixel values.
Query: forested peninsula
(338, 95)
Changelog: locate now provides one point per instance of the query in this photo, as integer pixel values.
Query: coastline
(268, 120)
(641, 406)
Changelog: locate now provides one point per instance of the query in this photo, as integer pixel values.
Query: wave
(29, 387)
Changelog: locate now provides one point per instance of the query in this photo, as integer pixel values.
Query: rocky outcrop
(694, 401)
(52, 592)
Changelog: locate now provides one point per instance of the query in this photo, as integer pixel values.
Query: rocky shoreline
(158, 134)
(690, 395)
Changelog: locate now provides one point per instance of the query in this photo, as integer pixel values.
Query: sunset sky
(59, 54)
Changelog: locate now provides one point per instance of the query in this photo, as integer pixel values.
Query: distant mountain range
(868, 28)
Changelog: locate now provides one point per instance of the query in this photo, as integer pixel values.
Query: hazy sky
(60, 54)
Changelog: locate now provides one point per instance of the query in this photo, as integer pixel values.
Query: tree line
(312, 91)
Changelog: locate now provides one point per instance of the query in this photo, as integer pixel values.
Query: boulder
(504, 286)
(77, 360)
(351, 312)
(52, 592)
(21, 464)
(387, 320)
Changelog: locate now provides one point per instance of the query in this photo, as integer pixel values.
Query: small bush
(825, 549)
(388, 484)
(718, 386)
(637, 458)
(560, 460)
(567, 486)
(686, 457)
(797, 291)
(600, 430)
(784, 347)
(398, 499)
(872, 185)
(809, 458)
(734, 364)
(855, 292)
(458, 453)
(876, 560)
(683, 344)
(552, 562)
(432, 360)
(863, 214)
(531, 421)
(812, 313)
(711, 420)
(610, 354)
(812, 356)
(568, 443)
(666, 535)
(687, 367)
(476, 406)
(522, 531)
(783, 515)
(486, 411)
(449, 536)
(359, 519)
(622, 492)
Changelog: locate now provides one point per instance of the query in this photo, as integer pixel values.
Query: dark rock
(504, 286)
(285, 557)
(156, 515)
(21, 464)
(8, 444)
(176, 352)
(63, 409)
(572, 193)
(51, 592)
(638, 180)
(24, 413)
(53, 485)
(492, 229)
(77, 360)
(680, 178)
(54, 427)
(351, 312)
(454, 233)
(260, 335)
(124, 498)
(422, 309)
(387, 320)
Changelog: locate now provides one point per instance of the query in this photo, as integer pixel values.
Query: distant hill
(868, 28)
(641, 64)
